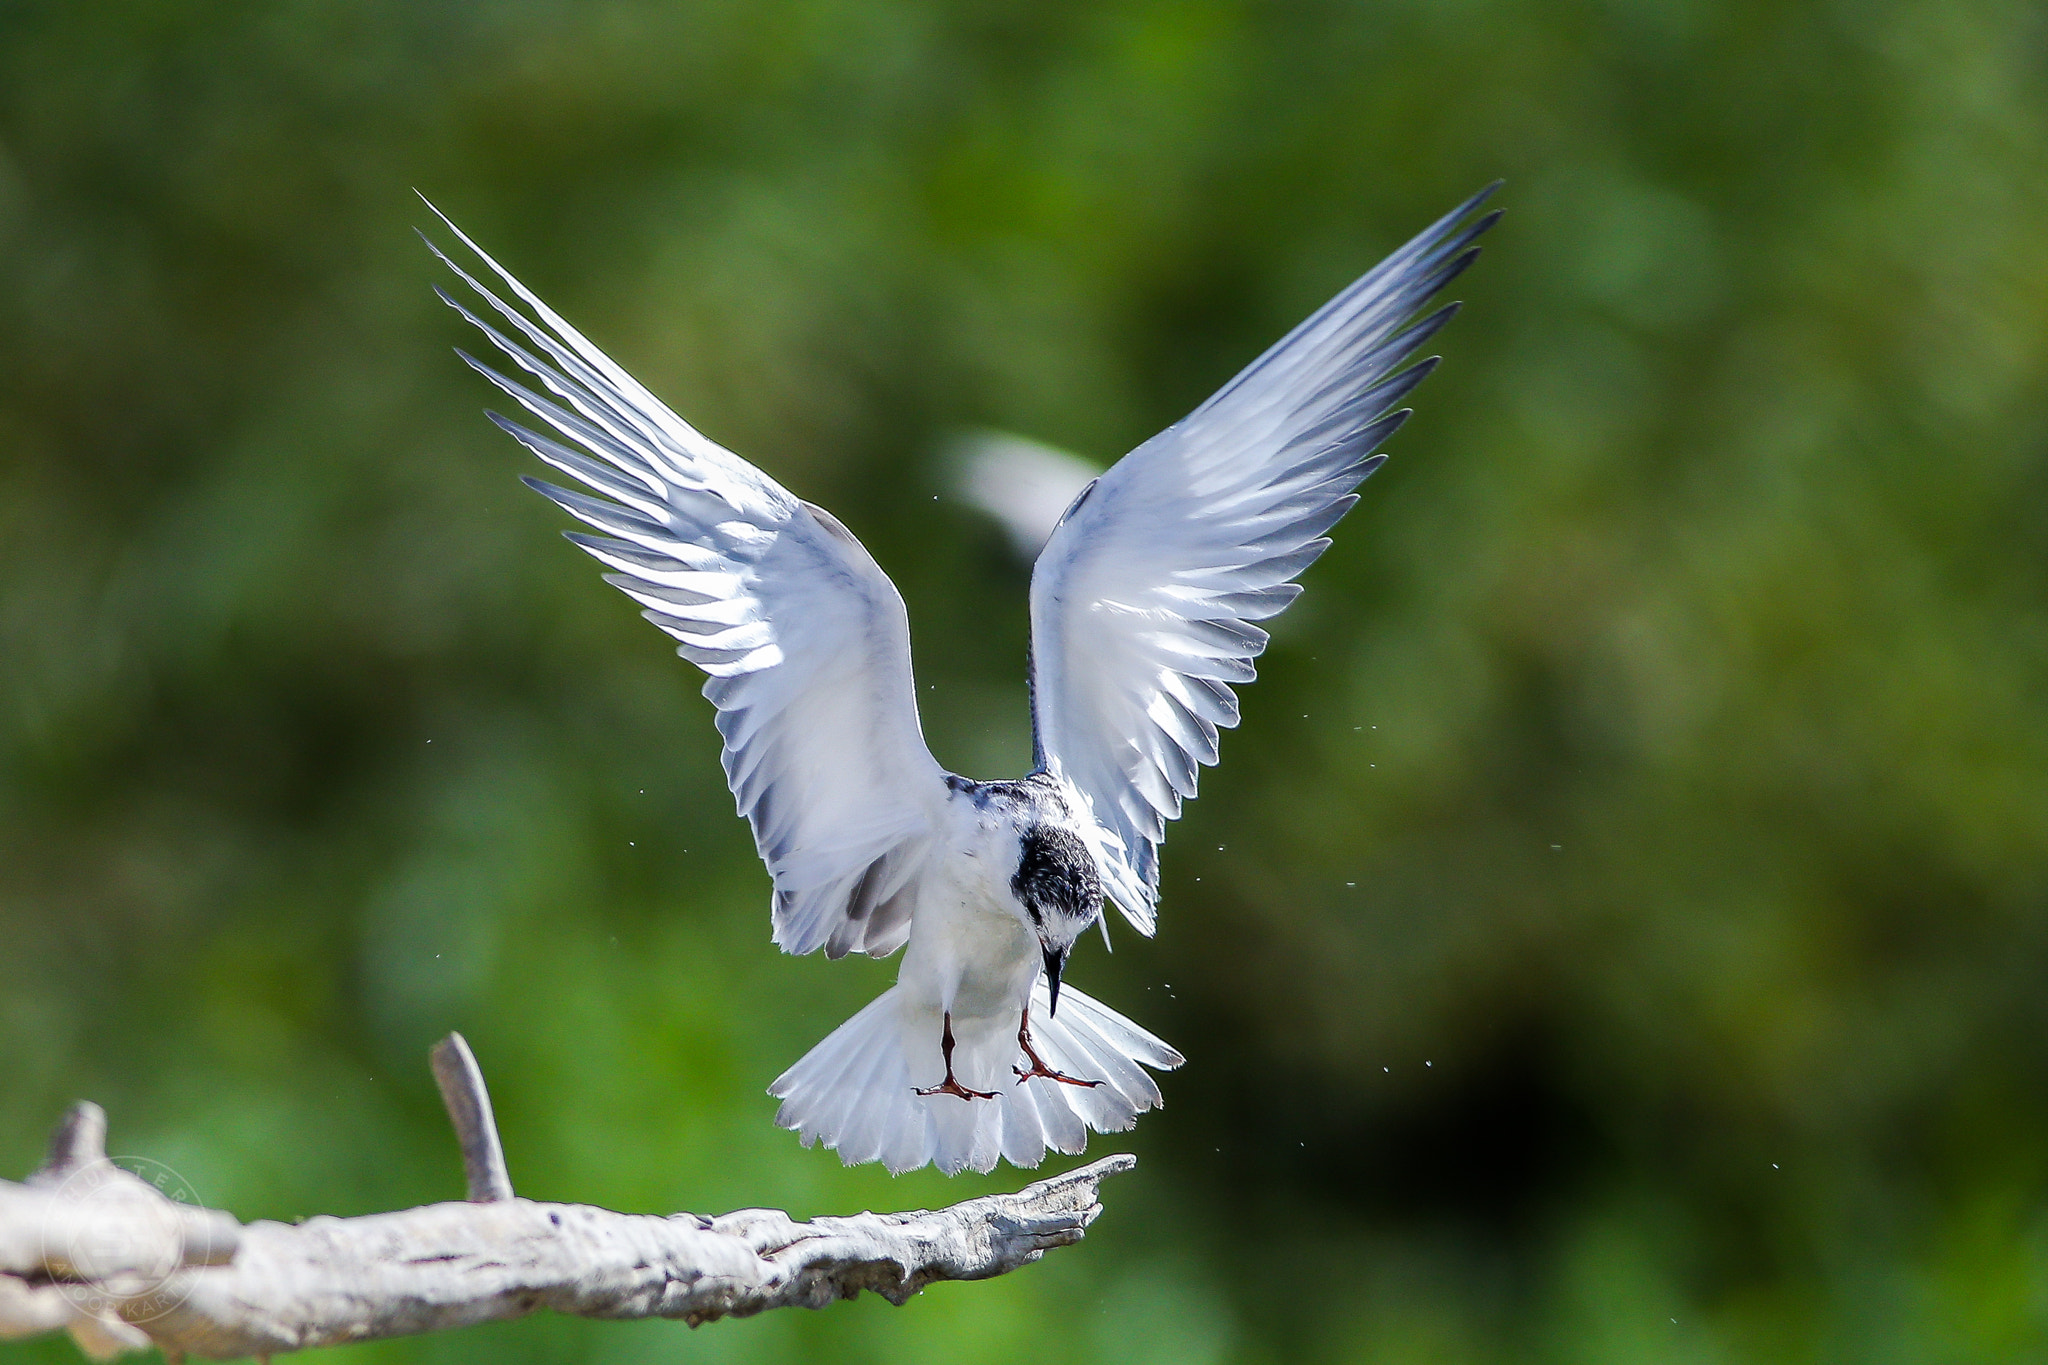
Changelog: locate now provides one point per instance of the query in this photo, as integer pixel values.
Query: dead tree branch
(88, 1247)
(469, 1109)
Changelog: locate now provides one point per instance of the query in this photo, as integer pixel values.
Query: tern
(1143, 604)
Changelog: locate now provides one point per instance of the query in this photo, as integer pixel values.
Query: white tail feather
(856, 1091)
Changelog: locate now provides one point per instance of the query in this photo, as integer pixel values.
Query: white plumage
(1142, 604)
(876, 1115)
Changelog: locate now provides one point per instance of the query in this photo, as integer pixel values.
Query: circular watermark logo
(115, 1233)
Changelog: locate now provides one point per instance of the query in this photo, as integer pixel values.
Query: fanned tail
(856, 1091)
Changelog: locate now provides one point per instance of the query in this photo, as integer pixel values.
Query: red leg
(1038, 1066)
(951, 1086)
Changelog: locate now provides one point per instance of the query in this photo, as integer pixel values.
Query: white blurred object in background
(1022, 483)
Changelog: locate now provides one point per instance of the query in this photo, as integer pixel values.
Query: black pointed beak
(1054, 960)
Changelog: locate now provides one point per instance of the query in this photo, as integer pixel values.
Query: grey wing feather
(804, 637)
(1143, 600)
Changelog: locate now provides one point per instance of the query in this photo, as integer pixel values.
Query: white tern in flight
(1142, 604)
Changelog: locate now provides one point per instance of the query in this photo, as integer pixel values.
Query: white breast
(970, 952)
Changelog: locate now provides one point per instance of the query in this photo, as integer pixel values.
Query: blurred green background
(1618, 930)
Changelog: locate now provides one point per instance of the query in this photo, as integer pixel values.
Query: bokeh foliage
(1618, 931)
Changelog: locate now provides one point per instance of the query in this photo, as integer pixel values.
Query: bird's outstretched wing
(804, 637)
(1143, 600)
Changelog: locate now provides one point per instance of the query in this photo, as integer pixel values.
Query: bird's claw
(1038, 1066)
(950, 1086)
(1039, 1069)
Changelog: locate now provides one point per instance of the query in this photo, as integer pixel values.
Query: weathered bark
(88, 1247)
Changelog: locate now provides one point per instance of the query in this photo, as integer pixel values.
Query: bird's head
(1060, 891)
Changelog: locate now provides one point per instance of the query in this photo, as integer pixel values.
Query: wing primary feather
(1416, 255)
(1314, 523)
(1393, 389)
(619, 452)
(1393, 352)
(614, 375)
(606, 516)
(580, 380)
(687, 603)
(585, 393)
(1256, 606)
(677, 564)
(601, 477)
(588, 423)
